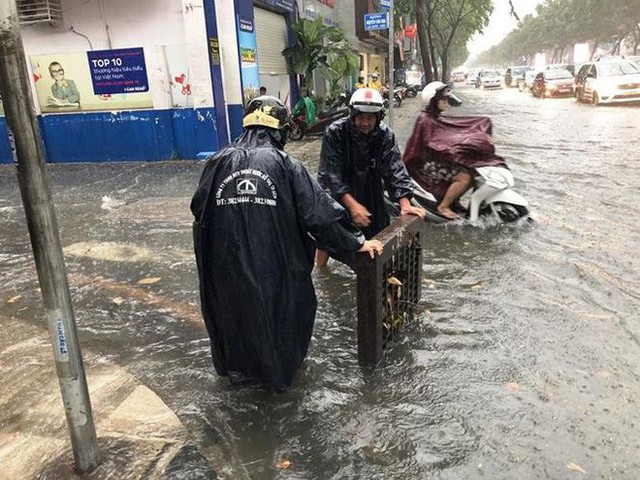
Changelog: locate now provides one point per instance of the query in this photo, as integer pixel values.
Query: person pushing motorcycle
(359, 160)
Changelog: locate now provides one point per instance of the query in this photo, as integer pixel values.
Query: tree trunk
(434, 57)
(445, 65)
(425, 51)
(593, 52)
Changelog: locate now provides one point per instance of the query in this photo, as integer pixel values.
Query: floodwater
(524, 361)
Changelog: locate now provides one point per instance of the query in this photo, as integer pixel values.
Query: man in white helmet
(255, 209)
(359, 160)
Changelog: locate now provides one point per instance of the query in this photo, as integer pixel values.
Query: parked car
(562, 66)
(472, 76)
(525, 82)
(553, 83)
(489, 79)
(608, 81)
(457, 76)
(513, 74)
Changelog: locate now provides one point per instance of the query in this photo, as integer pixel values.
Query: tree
(455, 22)
(561, 23)
(444, 27)
(320, 48)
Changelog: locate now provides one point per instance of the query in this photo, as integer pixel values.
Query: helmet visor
(363, 107)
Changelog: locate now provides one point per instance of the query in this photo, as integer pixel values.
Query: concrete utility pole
(19, 109)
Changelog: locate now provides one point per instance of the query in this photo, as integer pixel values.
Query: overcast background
(501, 23)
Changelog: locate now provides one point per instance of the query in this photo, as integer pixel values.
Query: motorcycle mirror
(453, 100)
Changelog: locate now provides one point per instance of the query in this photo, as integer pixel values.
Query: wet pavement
(523, 364)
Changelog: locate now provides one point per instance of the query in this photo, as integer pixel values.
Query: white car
(489, 79)
(526, 82)
(608, 81)
(471, 77)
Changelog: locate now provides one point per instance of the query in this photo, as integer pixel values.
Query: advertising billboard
(96, 80)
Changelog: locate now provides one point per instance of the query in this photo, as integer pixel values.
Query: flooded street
(523, 363)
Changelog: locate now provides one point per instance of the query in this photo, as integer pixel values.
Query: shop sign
(376, 21)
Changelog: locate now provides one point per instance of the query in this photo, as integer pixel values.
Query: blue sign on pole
(118, 71)
(385, 4)
(376, 21)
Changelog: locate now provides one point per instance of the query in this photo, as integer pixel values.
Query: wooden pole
(28, 151)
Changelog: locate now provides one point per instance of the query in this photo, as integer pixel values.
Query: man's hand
(372, 247)
(360, 215)
(358, 212)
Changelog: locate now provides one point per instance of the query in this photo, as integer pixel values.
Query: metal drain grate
(388, 287)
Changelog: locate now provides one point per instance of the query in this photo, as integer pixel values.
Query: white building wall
(344, 13)
(229, 54)
(197, 52)
(151, 24)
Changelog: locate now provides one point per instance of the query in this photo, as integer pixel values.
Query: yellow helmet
(266, 111)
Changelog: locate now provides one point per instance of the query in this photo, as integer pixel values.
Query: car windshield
(557, 74)
(490, 73)
(520, 71)
(621, 68)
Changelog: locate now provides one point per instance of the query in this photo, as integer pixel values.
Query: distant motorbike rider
(422, 160)
(375, 82)
(360, 83)
(359, 160)
(258, 217)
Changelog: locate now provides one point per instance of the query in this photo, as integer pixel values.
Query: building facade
(116, 80)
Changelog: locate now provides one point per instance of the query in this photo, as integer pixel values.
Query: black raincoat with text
(255, 210)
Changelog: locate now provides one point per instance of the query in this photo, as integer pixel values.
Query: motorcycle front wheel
(508, 212)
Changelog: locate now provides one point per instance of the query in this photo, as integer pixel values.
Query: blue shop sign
(118, 71)
(376, 21)
(285, 4)
(245, 25)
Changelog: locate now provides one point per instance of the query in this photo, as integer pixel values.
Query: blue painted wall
(5, 151)
(137, 135)
(236, 113)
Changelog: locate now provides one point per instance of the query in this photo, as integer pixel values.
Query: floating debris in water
(109, 203)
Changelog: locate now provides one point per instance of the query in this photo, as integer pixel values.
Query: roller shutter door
(271, 37)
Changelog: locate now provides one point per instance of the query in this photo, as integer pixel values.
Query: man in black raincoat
(256, 210)
(359, 160)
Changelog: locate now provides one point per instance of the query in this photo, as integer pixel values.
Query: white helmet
(434, 87)
(430, 90)
(366, 100)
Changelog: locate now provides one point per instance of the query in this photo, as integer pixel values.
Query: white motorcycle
(491, 196)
